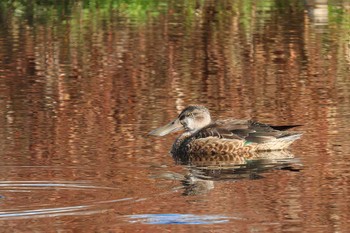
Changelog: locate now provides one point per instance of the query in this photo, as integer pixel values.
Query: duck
(205, 137)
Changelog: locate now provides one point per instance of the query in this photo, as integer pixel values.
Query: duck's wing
(248, 130)
(223, 129)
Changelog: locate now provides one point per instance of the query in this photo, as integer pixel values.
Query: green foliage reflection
(138, 10)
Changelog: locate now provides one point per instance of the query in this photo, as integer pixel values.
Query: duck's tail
(283, 127)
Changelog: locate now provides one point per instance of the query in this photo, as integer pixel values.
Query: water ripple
(43, 212)
(37, 203)
(178, 219)
(46, 184)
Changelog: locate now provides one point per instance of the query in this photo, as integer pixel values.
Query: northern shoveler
(203, 136)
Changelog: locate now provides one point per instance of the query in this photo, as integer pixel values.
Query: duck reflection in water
(203, 173)
(226, 149)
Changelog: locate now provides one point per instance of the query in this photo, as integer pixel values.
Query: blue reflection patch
(177, 219)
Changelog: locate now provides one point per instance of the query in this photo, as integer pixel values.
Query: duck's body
(203, 136)
(233, 136)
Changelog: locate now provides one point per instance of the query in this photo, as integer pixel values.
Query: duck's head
(191, 119)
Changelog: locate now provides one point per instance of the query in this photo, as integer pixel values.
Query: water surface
(83, 82)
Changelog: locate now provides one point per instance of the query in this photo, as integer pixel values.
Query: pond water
(83, 82)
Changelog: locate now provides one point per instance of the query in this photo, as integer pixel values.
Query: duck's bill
(168, 128)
